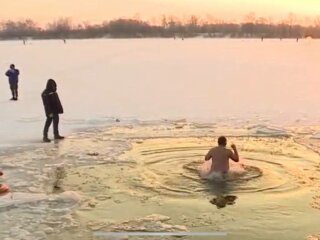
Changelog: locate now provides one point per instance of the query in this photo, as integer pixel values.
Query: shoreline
(300, 133)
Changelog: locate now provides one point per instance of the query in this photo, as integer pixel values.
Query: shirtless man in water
(220, 156)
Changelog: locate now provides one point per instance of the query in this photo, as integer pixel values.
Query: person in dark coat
(53, 108)
(13, 76)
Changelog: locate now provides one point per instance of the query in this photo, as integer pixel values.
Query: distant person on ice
(53, 108)
(13, 76)
(220, 156)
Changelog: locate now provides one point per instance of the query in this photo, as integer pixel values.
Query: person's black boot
(13, 94)
(58, 137)
(46, 139)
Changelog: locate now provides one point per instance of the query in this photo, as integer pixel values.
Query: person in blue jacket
(53, 108)
(13, 76)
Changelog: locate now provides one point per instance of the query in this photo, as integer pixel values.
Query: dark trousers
(14, 90)
(55, 120)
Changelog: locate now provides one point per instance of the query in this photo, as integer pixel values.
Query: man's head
(222, 141)
(12, 66)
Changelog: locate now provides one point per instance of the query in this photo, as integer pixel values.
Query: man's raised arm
(234, 155)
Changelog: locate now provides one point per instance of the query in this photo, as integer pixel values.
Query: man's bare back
(220, 156)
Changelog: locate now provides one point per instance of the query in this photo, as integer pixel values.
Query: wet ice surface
(144, 177)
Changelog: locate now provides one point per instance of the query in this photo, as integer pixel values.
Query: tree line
(169, 27)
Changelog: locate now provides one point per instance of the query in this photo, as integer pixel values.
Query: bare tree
(61, 27)
(317, 21)
(250, 18)
(164, 22)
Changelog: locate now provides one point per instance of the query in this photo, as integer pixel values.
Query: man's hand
(50, 115)
(234, 156)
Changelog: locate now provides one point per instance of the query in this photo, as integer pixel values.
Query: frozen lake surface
(198, 79)
(173, 99)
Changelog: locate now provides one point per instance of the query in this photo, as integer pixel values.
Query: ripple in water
(171, 166)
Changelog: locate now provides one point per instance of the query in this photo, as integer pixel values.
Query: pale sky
(98, 10)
